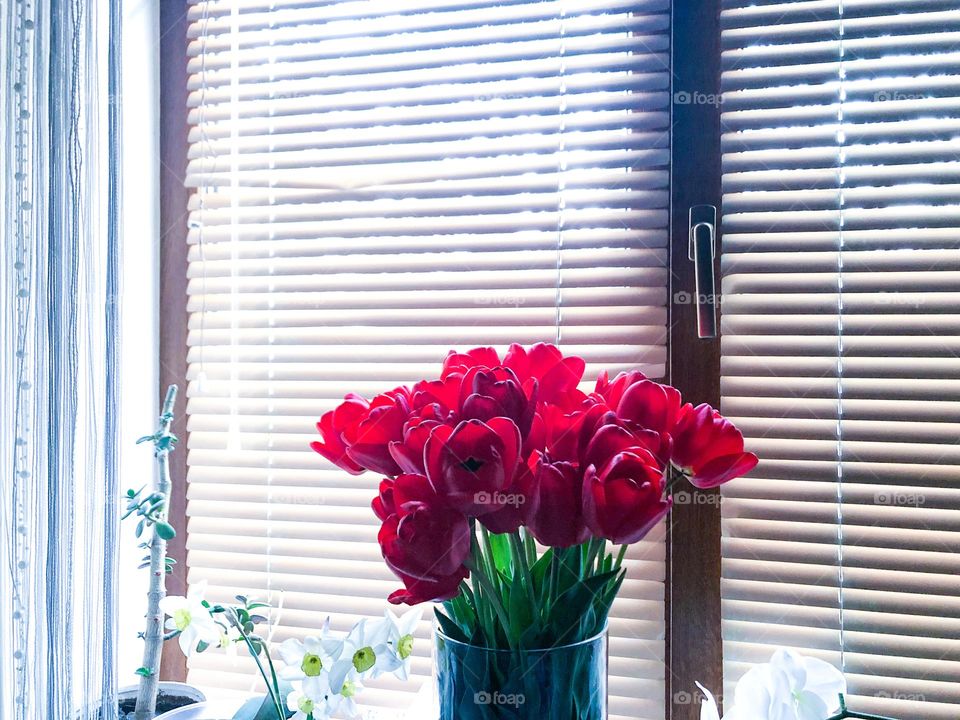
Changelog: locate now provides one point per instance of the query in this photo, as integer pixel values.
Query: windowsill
(423, 706)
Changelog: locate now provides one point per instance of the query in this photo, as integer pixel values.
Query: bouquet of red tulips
(505, 483)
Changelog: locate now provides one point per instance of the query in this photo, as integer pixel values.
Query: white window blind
(377, 182)
(841, 285)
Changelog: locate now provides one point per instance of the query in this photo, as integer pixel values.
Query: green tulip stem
(520, 564)
(489, 562)
(530, 546)
(489, 591)
(620, 556)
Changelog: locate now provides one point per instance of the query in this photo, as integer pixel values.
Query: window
(841, 335)
(372, 187)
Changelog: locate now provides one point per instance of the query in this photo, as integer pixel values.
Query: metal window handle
(703, 230)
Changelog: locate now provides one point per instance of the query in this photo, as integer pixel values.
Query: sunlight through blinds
(841, 287)
(376, 182)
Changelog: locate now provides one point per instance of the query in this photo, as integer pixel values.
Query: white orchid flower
(401, 638)
(192, 619)
(789, 687)
(366, 651)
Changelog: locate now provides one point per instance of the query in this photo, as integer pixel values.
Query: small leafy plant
(151, 507)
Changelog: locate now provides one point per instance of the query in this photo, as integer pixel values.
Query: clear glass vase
(568, 682)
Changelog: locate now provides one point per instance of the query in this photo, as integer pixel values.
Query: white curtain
(58, 322)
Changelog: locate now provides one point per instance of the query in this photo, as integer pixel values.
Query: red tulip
(408, 453)
(486, 394)
(443, 394)
(405, 491)
(710, 447)
(611, 391)
(332, 426)
(624, 501)
(425, 543)
(557, 376)
(612, 439)
(368, 442)
(418, 591)
(383, 504)
(649, 405)
(485, 357)
(473, 462)
(553, 508)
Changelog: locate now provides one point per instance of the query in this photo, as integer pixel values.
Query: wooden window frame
(693, 634)
(173, 321)
(692, 612)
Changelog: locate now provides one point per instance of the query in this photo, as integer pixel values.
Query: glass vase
(567, 682)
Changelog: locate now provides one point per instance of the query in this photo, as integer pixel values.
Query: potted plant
(150, 505)
(511, 497)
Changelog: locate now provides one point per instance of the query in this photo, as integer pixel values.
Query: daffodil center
(364, 659)
(349, 689)
(305, 705)
(181, 618)
(311, 665)
(405, 646)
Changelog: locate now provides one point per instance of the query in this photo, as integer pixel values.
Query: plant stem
(519, 560)
(530, 546)
(272, 690)
(490, 594)
(620, 556)
(153, 637)
(490, 559)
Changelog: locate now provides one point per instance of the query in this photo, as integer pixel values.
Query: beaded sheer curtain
(58, 406)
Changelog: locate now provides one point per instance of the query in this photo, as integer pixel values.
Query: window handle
(703, 230)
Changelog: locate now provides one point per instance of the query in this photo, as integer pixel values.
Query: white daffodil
(306, 660)
(401, 638)
(306, 706)
(343, 703)
(366, 652)
(192, 619)
(319, 701)
(789, 687)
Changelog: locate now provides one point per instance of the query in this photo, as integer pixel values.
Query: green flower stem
(490, 592)
(620, 556)
(519, 561)
(485, 615)
(589, 554)
(274, 691)
(490, 562)
(530, 546)
(601, 555)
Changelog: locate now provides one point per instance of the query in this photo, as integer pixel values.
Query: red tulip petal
(723, 469)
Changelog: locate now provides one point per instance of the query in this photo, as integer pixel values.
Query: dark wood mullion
(173, 282)
(693, 641)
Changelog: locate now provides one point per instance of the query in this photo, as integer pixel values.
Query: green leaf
(144, 671)
(502, 558)
(450, 628)
(139, 530)
(166, 531)
(518, 608)
(262, 708)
